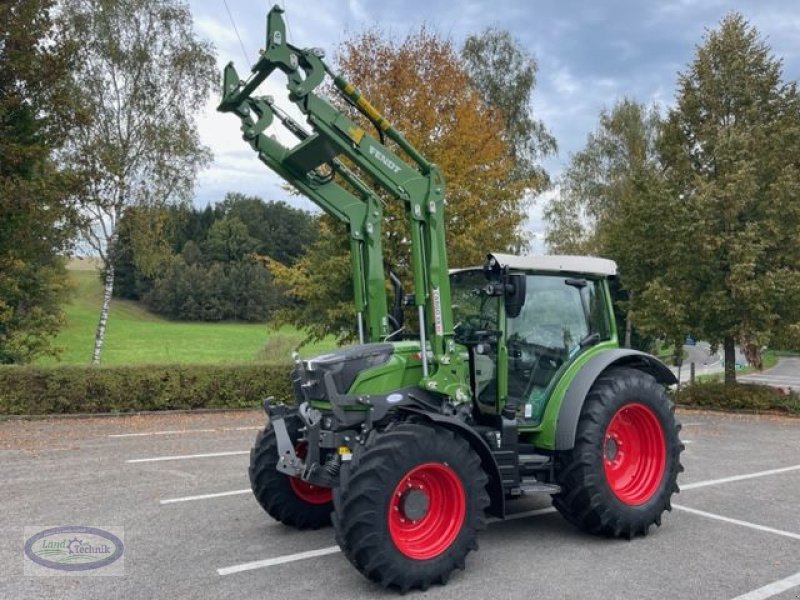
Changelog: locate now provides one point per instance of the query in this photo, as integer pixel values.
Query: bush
(84, 389)
(742, 396)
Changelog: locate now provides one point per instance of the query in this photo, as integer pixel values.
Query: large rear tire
(286, 499)
(619, 478)
(408, 507)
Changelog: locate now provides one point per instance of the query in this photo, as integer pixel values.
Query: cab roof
(554, 263)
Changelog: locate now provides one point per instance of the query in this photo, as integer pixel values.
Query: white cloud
(357, 10)
(564, 82)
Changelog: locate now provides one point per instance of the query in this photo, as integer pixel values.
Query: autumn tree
(425, 90)
(730, 151)
(143, 76)
(37, 115)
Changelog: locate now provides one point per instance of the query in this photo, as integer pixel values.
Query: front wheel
(290, 500)
(620, 476)
(408, 508)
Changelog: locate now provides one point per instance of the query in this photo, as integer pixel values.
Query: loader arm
(414, 181)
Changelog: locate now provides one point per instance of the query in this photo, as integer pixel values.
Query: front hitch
(289, 463)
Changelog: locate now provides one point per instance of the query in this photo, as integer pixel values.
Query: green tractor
(511, 381)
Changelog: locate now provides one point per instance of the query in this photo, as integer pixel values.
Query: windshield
(472, 311)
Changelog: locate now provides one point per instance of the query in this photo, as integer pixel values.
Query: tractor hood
(345, 364)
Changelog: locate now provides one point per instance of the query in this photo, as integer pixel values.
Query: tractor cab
(525, 320)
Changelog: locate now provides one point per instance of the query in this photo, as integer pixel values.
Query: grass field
(135, 336)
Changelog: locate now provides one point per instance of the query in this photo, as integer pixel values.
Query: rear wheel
(409, 506)
(622, 472)
(289, 500)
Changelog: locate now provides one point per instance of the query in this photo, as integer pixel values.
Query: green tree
(143, 76)
(606, 197)
(37, 115)
(228, 240)
(505, 74)
(729, 151)
(278, 230)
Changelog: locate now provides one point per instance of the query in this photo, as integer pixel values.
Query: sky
(590, 54)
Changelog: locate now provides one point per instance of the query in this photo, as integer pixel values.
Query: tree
(278, 230)
(37, 115)
(143, 75)
(228, 240)
(605, 197)
(505, 74)
(424, 89)
(730, 151)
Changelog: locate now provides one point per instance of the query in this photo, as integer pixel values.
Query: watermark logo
(74, 550)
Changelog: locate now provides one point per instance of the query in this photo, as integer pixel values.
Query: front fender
(570, 411)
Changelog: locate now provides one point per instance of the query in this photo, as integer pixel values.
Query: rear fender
(570, 411)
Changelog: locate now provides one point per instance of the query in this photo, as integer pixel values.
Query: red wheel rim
(309, 492)
(634, 453)
(426, 510)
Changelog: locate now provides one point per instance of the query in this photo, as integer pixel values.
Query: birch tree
(143, 75)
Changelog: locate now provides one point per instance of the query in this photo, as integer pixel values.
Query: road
(176, 488)
(785, 374)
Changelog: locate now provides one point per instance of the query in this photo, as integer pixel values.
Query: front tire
(408, 508)
(286, 499)
(619, 477)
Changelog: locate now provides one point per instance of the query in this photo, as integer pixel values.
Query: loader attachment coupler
(315, 168)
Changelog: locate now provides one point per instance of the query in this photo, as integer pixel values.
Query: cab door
(561, 317)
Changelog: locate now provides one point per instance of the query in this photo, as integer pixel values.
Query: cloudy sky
(589, 53)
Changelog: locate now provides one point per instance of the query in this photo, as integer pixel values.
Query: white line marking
(772, 589)
(170, 432)
(186, 456)
(278, 560)
(204, 496)
(180, 431)
(702, 513)
(281, 560)
(700, 484)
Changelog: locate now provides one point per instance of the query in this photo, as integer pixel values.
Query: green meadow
(136, 336)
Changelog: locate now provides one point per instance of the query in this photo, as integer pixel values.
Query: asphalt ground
(785, 374)
(735, 529)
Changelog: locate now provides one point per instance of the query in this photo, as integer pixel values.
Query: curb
(126, 414)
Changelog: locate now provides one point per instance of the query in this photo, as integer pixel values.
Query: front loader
(514, 384)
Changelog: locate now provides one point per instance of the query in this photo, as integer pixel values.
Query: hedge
(85, 389)
(741, 396)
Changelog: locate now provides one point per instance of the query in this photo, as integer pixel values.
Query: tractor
(510, 382)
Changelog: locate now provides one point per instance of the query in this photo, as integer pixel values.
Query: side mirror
(515, 294)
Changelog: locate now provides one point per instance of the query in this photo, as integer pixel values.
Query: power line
(236, 30)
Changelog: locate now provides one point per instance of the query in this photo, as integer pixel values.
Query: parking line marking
(772, 589)
(168, 432)
(700, 484)
(281, 560)
(204, 496)
(186, 456)
(180, 431)
(709, 515)
(278, 560)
